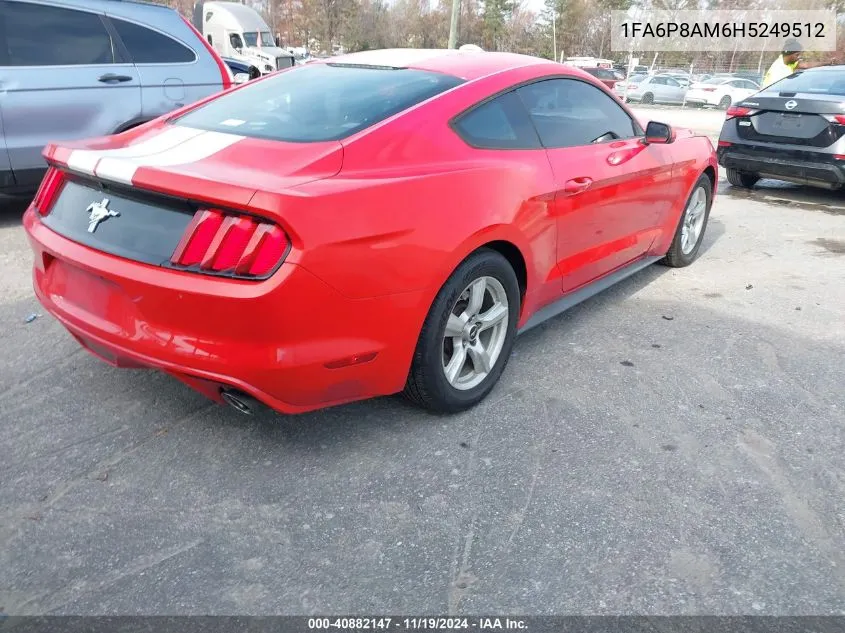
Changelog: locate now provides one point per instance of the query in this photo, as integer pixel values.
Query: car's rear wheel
(725, 102)
(647, 99)
(741, 178)
(691, 228)
(467, 337)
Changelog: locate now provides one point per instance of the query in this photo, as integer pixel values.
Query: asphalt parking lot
(673, 446)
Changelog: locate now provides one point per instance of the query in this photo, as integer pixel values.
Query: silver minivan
(83, 68)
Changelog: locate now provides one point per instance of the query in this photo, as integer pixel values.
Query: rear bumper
(701, 99)
(803, 168)
(292, 341)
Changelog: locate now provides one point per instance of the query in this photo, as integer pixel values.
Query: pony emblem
(97, 212)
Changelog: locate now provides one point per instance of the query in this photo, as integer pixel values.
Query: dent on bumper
(292, 342)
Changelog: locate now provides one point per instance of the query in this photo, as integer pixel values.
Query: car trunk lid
(141, 201)
(791, 118)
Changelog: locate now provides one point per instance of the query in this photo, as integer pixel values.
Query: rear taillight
(217, 242)
(738, 111)
(835, 118)
(221, 65)
(709, 89)
(49, 190)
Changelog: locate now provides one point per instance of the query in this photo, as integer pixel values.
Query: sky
(536, 6)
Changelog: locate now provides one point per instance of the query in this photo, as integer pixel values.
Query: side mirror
(241, 78)
(658, 133)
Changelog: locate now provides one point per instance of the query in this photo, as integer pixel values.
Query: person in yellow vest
(787, 63)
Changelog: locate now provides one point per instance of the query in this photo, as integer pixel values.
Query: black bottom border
(405, 624)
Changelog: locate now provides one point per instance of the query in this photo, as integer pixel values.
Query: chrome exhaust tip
(239, 401)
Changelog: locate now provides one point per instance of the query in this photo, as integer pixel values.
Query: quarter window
(146, 46)
(501, 123)
(40, 35)
(568, 113)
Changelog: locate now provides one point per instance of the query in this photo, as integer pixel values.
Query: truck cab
(238, 32)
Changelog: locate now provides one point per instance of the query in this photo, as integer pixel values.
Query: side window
(146, 46)
(40, 35)
(501, 123)
(671, 82)
(568, 113)
(235, 40)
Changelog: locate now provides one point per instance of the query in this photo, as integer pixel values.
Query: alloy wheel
(475, 333)
(693, 220)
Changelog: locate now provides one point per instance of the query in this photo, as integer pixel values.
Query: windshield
(318, 102)
(829, 82)
(251, 38)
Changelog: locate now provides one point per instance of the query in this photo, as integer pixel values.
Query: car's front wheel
(690, 231)
(467, 337)
(741, 178)
(647, 99)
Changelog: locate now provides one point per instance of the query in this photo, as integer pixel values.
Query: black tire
(647, 99)
(725, 102)
(427, 385)
(675, 256)
(741, 178)
(254, 73)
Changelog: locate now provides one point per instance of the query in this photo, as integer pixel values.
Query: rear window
(635, 79)
(319, 102)
(828, 82)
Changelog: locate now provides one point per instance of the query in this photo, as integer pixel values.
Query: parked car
(242, 71)
(651, 89)
(681, 78)
(606, 76)
(284, 272)
(793, 130)
(81, 68)
(721, 92)
(621, 86)
(757, 78)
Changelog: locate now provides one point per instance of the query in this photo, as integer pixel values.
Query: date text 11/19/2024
(415, 624)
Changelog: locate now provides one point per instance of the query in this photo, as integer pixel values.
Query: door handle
(577, 184)
(111, 77)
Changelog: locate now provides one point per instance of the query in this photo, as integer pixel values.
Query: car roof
(151, 13)
(465, 64)
(824, 69)
(107, 5)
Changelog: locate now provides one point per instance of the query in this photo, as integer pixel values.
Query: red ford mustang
(381, 222)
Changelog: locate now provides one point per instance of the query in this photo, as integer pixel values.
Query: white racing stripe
(175, 145)
(85, 161)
